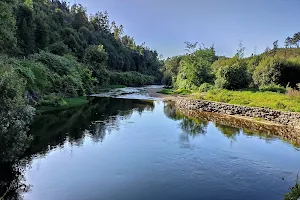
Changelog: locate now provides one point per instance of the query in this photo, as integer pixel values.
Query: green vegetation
(57, 50)
(52, 55)
(256, 99)
(269, 80)
(61, 104)
(179, 91)
(294, 193)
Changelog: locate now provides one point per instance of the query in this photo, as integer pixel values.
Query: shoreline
(255, 114)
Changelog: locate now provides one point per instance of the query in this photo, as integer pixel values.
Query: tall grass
(273, 100)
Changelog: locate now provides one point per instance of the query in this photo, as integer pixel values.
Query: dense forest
(50, 50)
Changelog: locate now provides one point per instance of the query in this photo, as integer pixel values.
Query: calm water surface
(124, 149)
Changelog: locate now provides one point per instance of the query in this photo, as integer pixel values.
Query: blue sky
(165, 25)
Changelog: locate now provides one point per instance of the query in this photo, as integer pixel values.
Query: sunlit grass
(67, 104)
(271, 100)
(178, 91)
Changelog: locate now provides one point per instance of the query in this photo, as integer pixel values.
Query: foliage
(130, 79)
(275, 70)
(294, 193)
(205, 87)
(195, 69)
(14, 116)
(53, 103)
(178, 91)
(7, 31)
(232, 76)
(272, 88)
(33, 27)
(171, 69)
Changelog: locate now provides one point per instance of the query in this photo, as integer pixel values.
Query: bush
(195, 69)
(277, 71)
(206, 87)
(65, 74)
(233, 77)
(294, 192)
(52, 100)
(272, 88)
(15, 116)
(130, 79)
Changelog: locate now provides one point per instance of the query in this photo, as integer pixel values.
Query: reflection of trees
(232, 126)
(228, 131)
(191, 127)
(171, 112)
(96, 119)
(11, 182)
(100, 116)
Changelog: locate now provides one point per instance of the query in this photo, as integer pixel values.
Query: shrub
(195, 69)
(206, 87)
(52, 100)
(272, 88)
(15, 116)
(277, 71)
(130, 78)
(232, 77)
(294, 192)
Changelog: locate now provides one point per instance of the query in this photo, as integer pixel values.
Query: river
(137, 147)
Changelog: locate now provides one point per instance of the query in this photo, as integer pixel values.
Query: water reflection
(103, 115)
(52, 130)
(194, 122)
(12, 182)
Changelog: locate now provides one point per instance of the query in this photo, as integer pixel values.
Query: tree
(240, 51)
(15, 116)
(8, 40)
(195, 68)
(275, 45)
(233, 77)
(25, 29)
(190, 47)
(288, 42)
(80, 18)
(296, 39)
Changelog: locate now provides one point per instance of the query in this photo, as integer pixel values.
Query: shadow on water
(52, 130)
(194, 122)
(96, 119)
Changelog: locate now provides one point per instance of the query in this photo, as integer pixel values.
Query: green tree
(296, 39)
(195, 68)
(288, 42)
(25, 29)
(15, 116)
(275, 45)
(233, 76)
(7, 31)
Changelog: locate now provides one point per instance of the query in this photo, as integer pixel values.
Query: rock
(281, 117)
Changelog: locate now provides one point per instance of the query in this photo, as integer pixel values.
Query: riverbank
(262, 115)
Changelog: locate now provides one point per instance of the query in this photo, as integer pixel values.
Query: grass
(271, 100)
(253, 98)
(178, 91)
(294, 193)
(68, 103)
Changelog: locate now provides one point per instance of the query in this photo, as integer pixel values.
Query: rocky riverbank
(290, 119)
